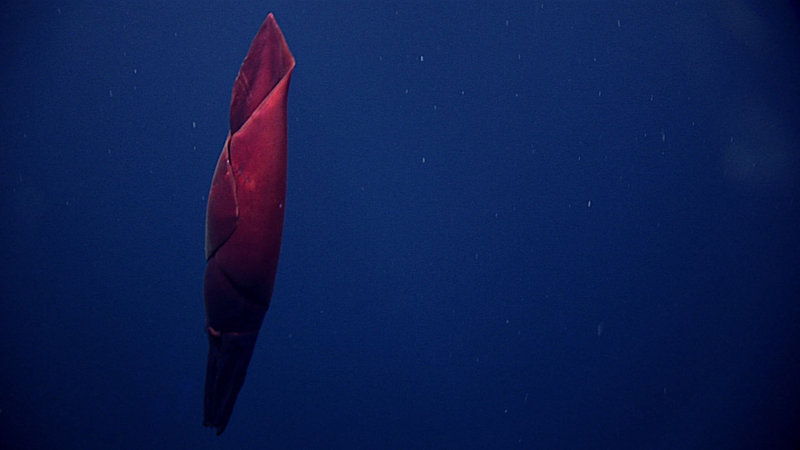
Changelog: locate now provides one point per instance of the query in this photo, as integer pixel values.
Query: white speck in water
(589, 204)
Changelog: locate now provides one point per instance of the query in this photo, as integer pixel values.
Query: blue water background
(550, 225)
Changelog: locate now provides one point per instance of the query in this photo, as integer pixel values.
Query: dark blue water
(516, 225)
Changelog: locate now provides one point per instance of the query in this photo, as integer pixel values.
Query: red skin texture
(244, 219)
